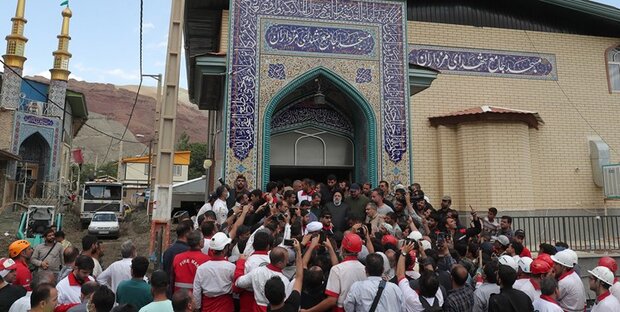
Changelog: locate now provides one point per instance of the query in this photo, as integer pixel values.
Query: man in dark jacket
(509, 299)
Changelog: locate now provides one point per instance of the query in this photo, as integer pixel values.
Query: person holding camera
(275, 288)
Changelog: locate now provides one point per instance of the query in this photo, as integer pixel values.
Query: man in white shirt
(343, 275)
(601, 279)
(256, 279)
(119, 270)
(572, 294)
(611, 264)
(377, 197)
(40, 277)
(213, 281)
(93, 248)
(362, 293)
(69, 288)
(547, 302)
(219, 206)
(430, 295)
(523, 282)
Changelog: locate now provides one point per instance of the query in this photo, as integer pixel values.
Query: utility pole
(119, 173)
(160, 226)
(154, 141)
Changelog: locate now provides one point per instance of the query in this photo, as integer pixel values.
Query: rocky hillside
(109, 107)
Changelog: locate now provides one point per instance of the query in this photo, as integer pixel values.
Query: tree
(197, 157)
(183, 143)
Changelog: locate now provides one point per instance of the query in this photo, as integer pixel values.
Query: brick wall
(508, 165)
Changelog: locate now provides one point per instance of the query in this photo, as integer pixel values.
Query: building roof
(6, 155)
(488, 113)
(180, 158)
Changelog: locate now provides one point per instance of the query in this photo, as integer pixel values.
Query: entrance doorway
(316, 126)
(31, 173)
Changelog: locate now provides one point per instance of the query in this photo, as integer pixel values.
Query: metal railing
(584, 233)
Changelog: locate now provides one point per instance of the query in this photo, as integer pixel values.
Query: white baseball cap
(524, 264)
(415, 235)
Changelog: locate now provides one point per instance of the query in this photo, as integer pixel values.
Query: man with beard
(240, 187)
(20, 251)
(92, 247)
(338, 210)
(69, 288)
(48, 256)
(356, 202)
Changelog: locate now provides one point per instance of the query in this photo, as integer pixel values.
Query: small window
(177, 170)
(613, 63)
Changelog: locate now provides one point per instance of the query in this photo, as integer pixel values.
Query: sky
(104, 38)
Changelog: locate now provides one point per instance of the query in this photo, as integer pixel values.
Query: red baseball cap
(6, 266)
(352, 243)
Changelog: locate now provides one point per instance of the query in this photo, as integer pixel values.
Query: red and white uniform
(606, 303)
(257, 259)
(302, 195)
(22, 275)
(257, 278)
(212, 289)
(546, 304)
(526, 286)
(342, 276)
(572, 294)
(69, 289)
(184, 267)
(247, 303)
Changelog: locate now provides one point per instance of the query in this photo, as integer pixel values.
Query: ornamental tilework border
(388, 95)
(49, 128)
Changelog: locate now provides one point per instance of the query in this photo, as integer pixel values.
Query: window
(613, 63)
(177, 170)
(146, 169)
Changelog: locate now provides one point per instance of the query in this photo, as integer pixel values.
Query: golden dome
(67, 12)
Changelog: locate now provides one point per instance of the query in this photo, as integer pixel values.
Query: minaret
(14, 59)
(60, 73)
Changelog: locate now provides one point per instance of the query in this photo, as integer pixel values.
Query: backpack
(428, 308)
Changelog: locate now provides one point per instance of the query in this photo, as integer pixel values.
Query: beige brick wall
(508, 165)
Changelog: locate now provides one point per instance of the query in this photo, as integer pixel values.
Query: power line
(133, 107)
(59, 106)
(571, 102)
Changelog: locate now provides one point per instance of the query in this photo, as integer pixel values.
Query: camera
(441, 239)
(415, 243)
(288, 242)
(280, 217)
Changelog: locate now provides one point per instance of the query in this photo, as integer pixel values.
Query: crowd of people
(306, 246)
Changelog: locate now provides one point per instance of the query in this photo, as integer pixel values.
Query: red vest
(184, 267)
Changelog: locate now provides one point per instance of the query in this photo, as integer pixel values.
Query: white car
(104, 224)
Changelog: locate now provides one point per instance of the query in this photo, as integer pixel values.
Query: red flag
(77, 156)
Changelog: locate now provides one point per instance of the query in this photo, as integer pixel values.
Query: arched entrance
(318, 125)
(32, 171)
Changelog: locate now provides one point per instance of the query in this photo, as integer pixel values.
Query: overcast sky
(104, 38)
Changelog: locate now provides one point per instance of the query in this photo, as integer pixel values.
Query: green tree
(183, 142)
(199, 154)
(87, 172)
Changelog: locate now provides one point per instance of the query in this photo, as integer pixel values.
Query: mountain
(109, 107)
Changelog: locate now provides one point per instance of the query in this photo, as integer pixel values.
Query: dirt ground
(136, 228)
